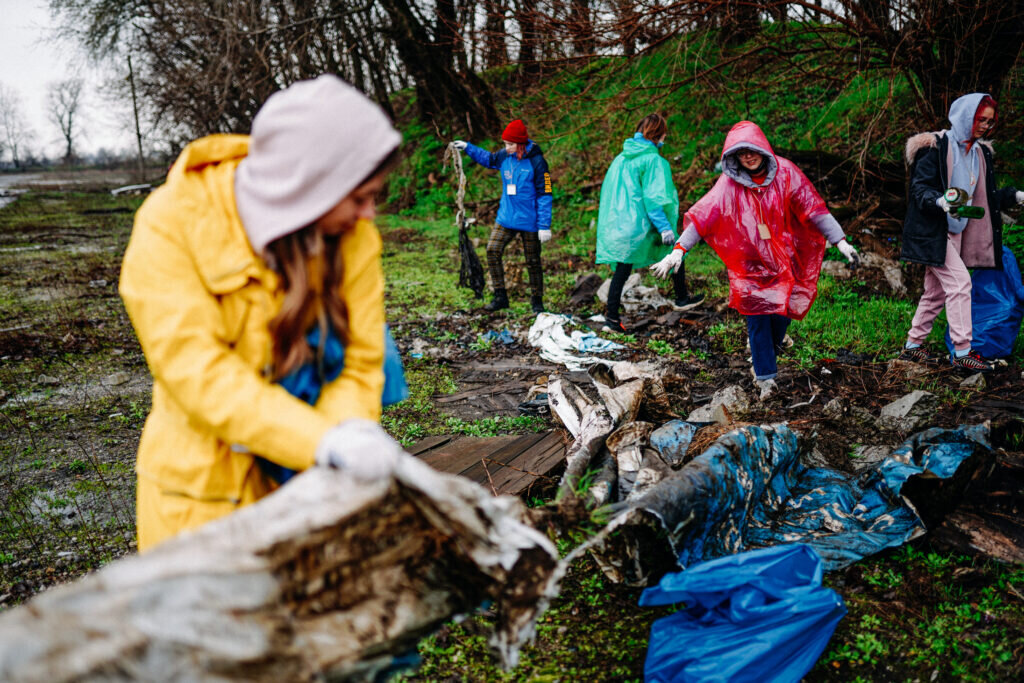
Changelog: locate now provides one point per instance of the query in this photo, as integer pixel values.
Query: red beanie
(516, 132)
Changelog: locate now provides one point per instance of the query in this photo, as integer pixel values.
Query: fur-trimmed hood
(918, 142)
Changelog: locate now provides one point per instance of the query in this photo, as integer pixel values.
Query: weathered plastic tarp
(762, 615)
(750, 490)
(997, 307)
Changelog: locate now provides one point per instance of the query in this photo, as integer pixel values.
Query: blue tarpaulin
(761, 615)
(997, 306)
(749, 490)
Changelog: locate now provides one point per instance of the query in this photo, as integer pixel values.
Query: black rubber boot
(499, 301)
(537, 304)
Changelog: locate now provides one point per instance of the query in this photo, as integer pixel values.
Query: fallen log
(324, 578)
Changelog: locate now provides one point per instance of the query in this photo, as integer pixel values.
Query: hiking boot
(972, 362)
(613, 325)
(919, 354)
(499, 301)
(688, 303)
(767, 387)
(537, 304)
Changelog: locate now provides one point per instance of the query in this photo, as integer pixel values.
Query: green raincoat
(638, 181)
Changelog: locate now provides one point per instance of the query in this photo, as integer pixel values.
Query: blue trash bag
(997, 306)
(761, 615)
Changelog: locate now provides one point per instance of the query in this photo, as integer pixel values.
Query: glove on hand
(361, 448)
(460, 145)
(847, 250)
(943, 204)
(543, 235)
(1020, 197)
(669, 264)
(667, 237)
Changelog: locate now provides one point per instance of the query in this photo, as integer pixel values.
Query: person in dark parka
(945, 243)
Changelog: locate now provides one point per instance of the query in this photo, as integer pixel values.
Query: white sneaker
(767, 387)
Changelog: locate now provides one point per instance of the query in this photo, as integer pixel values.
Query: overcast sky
(31, 58)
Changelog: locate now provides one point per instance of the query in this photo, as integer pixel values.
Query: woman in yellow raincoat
(252, 244)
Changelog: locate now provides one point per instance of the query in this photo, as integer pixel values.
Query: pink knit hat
(311, 145)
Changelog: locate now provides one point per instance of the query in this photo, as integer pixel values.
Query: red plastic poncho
(774, 275)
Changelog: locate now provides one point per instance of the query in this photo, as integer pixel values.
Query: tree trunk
(581, 28)
(495, 50)
(526, 17)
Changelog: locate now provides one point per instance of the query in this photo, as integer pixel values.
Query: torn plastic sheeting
(634, 297)
(325, 576)
(761, 615)
(505, 337)
(548, 334)
(749, 489)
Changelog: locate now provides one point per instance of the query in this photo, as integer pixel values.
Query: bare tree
(63, 99)
(14, 134)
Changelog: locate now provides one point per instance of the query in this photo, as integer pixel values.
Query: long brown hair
(652, 127)
(311, 268)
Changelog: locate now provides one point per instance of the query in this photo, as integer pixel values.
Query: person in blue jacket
(524, 210)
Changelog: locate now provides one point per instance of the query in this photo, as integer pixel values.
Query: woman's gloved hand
(361, 448)
(943, 204)
(460, 145)
(543, 235)
(667, 237)
(670, 264)
(847, 250)
(1020, 197)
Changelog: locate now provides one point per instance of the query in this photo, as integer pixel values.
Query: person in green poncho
(636, 224)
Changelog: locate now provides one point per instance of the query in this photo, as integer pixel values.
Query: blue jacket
(525, 186)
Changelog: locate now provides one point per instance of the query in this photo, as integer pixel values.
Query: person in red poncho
(769, 226)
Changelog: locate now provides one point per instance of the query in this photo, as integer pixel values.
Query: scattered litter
(635, 297)
(585, 289)
(724, 403)
(505, 337)
(555, 345)
(975, 381)
(908, 412)
(761, 615)
(535, 406)
(144, 188)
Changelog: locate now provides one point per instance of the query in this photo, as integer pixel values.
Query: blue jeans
(766, 333)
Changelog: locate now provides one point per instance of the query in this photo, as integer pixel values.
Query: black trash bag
(471, 273)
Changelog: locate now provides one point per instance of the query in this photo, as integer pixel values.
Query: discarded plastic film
(325, 576)
(761, 615)
(747, 490)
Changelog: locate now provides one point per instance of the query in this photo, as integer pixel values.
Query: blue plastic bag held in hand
(307, 381)
(761, 615)
(997, 306)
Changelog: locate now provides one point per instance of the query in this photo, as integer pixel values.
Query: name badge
(763, 232)
(511, 187)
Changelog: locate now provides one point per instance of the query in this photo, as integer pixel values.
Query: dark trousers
(500, 237)
(621, 274)
(766, 333)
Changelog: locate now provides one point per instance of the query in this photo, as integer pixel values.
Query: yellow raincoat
(200, 300)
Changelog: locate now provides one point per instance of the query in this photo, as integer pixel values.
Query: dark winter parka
(925, 226)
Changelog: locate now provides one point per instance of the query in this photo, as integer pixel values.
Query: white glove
(667, 237)
(361, 448)
(1020, 197)
(544, 235)
(847, 250)
(943, 204)
(460, 145)
(669, 264)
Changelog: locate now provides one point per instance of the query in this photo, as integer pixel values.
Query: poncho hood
(747, 135)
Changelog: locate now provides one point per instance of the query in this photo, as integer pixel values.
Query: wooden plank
(483, 391)
(478, 473)
(524, 469)
(429, 443)
(462, 453)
